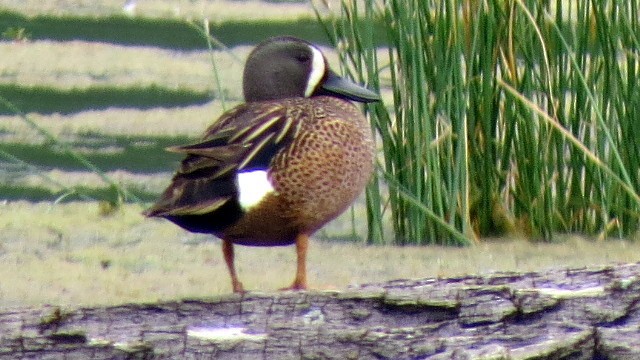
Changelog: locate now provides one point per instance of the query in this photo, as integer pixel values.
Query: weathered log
(589, 313)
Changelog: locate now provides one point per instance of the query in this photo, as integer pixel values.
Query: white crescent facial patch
(253, 186)
(317, 71)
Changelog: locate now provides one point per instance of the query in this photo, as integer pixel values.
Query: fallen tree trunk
(589, 313)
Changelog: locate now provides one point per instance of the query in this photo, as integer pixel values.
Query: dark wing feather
(245, 138)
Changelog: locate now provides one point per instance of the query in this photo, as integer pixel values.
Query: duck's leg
(300, 282)
(227, 250)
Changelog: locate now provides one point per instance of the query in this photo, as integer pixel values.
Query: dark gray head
(285, 67)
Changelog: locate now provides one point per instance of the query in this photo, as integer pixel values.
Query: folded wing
(243, 139)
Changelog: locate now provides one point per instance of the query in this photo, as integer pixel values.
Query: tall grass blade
(502, 117)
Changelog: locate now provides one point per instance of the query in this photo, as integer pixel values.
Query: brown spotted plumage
(315, 152)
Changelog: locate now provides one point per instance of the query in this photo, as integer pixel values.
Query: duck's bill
(341, 87)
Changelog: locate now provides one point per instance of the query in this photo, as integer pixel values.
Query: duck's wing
(243, 139)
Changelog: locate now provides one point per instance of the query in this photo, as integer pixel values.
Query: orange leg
(300, 282)
(227, 250)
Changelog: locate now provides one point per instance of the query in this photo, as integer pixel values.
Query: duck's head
(286, 67)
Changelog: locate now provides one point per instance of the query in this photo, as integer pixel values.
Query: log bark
(588, 313)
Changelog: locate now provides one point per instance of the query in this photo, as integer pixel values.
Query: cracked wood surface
(589, 313)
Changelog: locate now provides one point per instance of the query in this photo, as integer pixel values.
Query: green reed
(504, 116)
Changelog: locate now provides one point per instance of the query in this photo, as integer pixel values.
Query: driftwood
(589, 313)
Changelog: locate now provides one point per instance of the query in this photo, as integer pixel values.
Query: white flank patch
(253, 187)
(317, 71)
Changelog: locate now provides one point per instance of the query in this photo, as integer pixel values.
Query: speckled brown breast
(315, 178)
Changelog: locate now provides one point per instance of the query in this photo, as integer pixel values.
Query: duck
(278, 167)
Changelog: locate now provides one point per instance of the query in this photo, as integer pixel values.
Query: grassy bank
(168, 33)
(74, 254)
(218, 10)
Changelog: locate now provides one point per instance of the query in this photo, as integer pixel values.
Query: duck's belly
(266, 224)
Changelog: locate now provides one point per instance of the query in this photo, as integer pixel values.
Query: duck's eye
(303, 58)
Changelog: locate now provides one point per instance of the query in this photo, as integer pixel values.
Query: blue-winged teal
(274, 170)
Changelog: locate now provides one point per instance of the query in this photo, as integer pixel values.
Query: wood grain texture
(585, 313)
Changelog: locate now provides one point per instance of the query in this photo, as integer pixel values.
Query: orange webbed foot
(296, 286)
(238, 288)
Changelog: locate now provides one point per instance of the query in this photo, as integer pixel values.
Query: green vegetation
(164, 33)
(218, 10)
(144, 154)
(133, 154)
(15, 34)
(85, 193)
(46, 100)
(506, 116)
